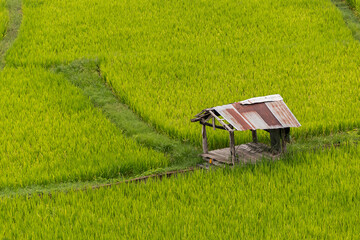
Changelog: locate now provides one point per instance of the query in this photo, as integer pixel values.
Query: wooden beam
(208, 117)
(221, 122)
(213, 123)
(200, 113)
(203, 118)
(204, 139)
(216, 126)
(254, 136)
(232, 147)
(195, 119)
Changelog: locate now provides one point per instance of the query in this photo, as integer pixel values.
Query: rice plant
(4, 18)
(355, 4)
(225, 52)
(307, 196)
(170, 59)
(50, 133)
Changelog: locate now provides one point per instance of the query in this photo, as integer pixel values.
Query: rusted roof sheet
(268, 112)
(269, 98)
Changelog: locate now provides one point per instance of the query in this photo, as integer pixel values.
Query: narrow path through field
(86, 75)
(350, 18)
(15, 14)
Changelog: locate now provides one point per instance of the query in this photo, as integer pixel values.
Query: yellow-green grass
(170, 59)
(228, 51)
(307, 196)
(4, 18)
(50, 133)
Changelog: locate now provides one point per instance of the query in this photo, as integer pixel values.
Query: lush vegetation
(51, 133)
(354, 4)
(4, 18)
(227, 52)
(84, 74)
(169, 59)
(312, 195)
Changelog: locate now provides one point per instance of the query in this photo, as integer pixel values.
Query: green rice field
(96, 92)
(314, 195)
(168, 63)
(301, 50)
(51, 133)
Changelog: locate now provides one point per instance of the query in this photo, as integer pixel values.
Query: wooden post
(283, 140)
(275, 140)
(287, 135)
(204, 139)
(254, 136)
(232, 147)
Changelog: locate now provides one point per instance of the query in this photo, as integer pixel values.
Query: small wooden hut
(268, 113)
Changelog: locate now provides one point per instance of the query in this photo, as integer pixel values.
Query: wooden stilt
(204, 139)
(254, 136)
(275, 140)
(283, 141)
(232, 147)
(287, 135)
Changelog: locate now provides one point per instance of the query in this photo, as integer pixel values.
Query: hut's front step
(245, 153)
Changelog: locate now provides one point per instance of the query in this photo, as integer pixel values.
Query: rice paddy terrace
(97, 92)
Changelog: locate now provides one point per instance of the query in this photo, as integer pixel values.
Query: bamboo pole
(204, 139)
(283, 141)
(232, 147)
(254, 136)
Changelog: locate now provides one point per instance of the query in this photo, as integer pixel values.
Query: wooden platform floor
(245, 153)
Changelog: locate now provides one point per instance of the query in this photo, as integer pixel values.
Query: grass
(52, 139)
(55, 140)
(311, 144)
(355, 4)
(168, 69)
(154, 79)
(350, 17)
(51, 133)
(303, 51)
(10, 20)
(4, 18)
(309, 195)
(296, 148)
(86, 75)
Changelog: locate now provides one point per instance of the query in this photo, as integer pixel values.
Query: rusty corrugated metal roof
(268, 112)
